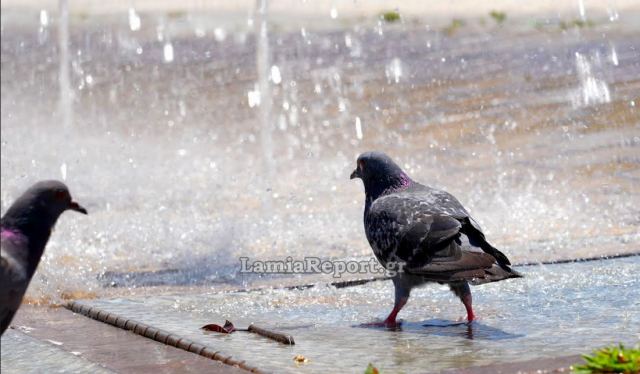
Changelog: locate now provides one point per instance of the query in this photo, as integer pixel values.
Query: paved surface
(65, 341)
(541, 366)
(71, 340)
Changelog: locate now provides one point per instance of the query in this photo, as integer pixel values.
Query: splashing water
(581, 10)
(614, 56)
(393, 70)
(169, 157)
(358, 128)
(265, 99)
(66, 94)
(592, 90)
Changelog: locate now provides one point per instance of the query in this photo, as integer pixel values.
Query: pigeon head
(35, 212)
(380, 174)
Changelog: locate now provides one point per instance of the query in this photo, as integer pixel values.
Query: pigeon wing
(442, 202)
(429, 244)
(402, 228)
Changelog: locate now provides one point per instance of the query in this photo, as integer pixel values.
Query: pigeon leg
(391, 319)
(464, 293)
(401, 298)
(402, 293)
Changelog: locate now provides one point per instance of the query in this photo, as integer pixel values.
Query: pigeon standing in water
(25, 230)
(425, 233)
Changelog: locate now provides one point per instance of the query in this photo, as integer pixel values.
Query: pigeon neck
(34, 233)
(11, 234)
(396, 183)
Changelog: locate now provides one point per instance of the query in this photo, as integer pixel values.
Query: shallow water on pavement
(555, 310)
(22, 354)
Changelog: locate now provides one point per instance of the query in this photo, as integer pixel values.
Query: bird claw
(466, 320)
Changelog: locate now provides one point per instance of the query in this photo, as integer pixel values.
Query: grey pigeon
(425, 233)
(25, 230)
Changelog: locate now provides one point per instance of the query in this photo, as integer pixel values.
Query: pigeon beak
(355, 174)
(77, 207)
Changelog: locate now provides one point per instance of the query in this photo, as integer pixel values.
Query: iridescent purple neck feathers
(390, 184)
(11, 234)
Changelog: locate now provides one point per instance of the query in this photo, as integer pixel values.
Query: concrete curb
(158, 335)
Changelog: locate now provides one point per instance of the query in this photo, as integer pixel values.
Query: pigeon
(24, 230)
(424, 234)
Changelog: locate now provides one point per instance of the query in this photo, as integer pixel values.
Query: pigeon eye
(62, 195)
(361, 165)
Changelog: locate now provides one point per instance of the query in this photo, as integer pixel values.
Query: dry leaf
(228, 327)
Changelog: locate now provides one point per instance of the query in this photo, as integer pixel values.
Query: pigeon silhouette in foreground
(24, 230)
(425, 234)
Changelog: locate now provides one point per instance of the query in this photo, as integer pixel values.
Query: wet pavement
(555, 310)
(55, 340)
(24, 354)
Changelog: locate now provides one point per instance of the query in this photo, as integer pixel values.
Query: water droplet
(89, 79)
(44, 18)
(393, 70)
(334, 13)
(581, 9)
(358, 128)
(253, 97)
(275, 75)
(342, 106)
(160, 32)
(63, 171)
(219, 34)
(168, 52)
(134, 20)
(614, 56)
(347, 40)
